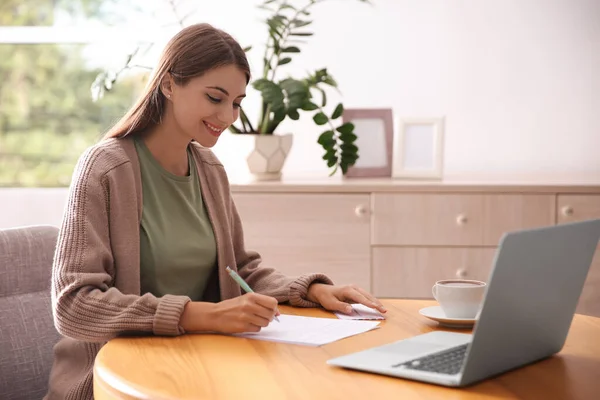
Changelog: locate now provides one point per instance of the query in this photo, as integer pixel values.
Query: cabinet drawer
(410, 272)
(300, 233)
(456, 220)
(511, 212)
(573, 208)
(427, 219)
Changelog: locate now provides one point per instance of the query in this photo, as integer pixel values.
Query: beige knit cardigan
(96, 271)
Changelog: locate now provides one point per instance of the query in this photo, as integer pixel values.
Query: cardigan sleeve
(86, 305)
(268, 280)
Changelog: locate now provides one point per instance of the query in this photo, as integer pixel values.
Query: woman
(150, 225)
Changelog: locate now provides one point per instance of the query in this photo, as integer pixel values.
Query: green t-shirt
(178, 251)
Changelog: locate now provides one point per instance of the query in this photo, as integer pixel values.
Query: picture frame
(419, 148)
(374, 129)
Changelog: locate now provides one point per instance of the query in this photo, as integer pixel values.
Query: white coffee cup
(459, 298)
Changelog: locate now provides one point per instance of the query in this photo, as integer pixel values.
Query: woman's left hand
(339, 298)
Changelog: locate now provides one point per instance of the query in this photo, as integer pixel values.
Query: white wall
(517, 80)
(19, 207)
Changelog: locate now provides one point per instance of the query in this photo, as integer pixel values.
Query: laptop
(530, 299)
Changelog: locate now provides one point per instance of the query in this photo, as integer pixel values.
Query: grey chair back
(27, 332)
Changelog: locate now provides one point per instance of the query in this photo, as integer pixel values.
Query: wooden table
(223, 367)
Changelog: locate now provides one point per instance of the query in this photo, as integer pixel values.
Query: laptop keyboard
(445, 362)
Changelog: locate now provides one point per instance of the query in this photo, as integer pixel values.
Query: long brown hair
(192, 52)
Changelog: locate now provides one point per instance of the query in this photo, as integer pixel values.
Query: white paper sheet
(309, 331)
(360, 311)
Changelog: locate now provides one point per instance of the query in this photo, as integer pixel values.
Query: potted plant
(281, 97)
(287, 97)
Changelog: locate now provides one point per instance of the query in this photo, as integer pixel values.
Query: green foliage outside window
(47, 115)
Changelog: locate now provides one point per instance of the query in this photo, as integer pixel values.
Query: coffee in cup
(459, 298)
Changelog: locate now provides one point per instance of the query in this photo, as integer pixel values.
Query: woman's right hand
(247, 313)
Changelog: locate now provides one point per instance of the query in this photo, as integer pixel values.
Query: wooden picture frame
(419, 148)
(375, 131)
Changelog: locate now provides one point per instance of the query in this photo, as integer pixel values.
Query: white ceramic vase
(267, 158)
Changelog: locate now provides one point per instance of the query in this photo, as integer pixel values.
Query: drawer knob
(567, 211)
(461, 273)
(360, 210)
(461, 219)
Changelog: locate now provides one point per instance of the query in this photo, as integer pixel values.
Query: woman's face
(207, 105)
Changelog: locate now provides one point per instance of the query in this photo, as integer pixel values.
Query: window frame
(78, 35)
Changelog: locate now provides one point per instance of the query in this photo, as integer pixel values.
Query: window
(51, 51)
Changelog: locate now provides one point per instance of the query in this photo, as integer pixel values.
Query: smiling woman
(150, 225)
(199, 64)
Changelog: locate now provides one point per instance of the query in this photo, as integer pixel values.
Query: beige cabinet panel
(397, 241)
(571, 208)
(510, 212)
(301, 233)
(410, 272)
(427, 219)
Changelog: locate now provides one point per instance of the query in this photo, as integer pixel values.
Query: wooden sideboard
(396, 238)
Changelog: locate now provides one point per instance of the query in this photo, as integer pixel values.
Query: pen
(243, 284)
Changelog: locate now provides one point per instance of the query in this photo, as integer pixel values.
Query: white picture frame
(419, 148)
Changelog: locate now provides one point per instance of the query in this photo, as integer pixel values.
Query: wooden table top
(205, 366)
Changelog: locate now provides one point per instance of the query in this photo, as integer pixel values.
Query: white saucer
(435, 313)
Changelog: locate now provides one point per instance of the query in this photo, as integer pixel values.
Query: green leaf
(247, 48)
(326, 138)
(295, 101)
(321, 74)
(324, 97)
(270, 92)
(338, 111)
(295, 41)
(275, 23)
(296, 91)
(332, 161)
(330, 155)
(284, 61)
(348, 137)
(299, 23)
(301, 33)
(290, 49)
(309, 106)
(348, 160)
(347, 127)
(275, 34)
(329, 152)
(320, 118)
(279, 114)
(293, 114)
(293, 86)
(330, 81)
(349, 148)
